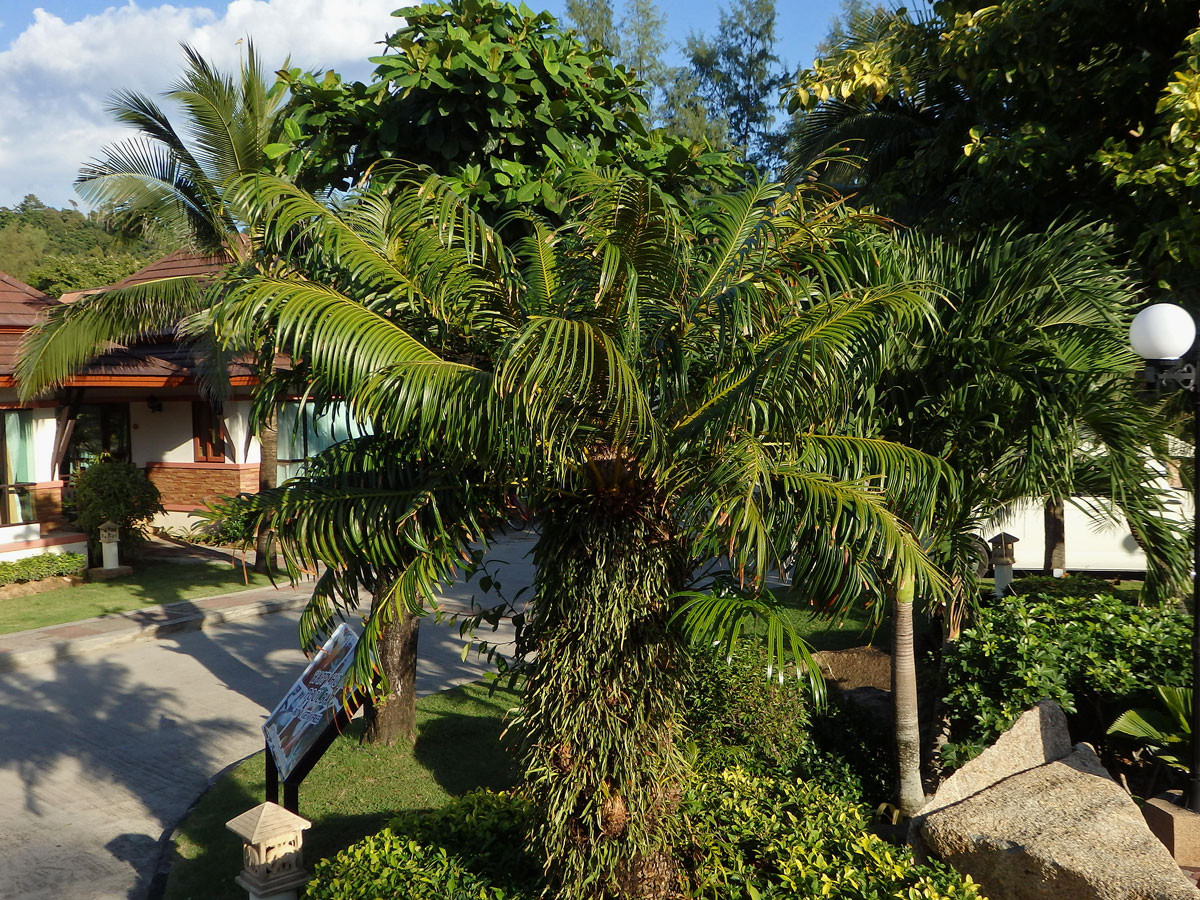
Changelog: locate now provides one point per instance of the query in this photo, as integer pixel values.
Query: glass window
(304, 432)
(207, 439)
(100, 431)
(16, 449)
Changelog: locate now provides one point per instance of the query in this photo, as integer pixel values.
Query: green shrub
(736, 715)
(108, 490)
(470, 849)
(235, 529)
(45, 565)
(388, 866)
(1069, 586)
(753, 837)
(1095, 656)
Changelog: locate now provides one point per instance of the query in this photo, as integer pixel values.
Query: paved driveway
(100, 756)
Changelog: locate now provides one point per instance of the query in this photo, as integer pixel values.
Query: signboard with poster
(308, 710)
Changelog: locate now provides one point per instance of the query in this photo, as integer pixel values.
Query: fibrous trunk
(391, 718)
(904, 700)
(600, 709)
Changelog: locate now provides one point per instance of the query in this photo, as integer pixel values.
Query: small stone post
(1003, 557)
(110, 534)
(272, 859)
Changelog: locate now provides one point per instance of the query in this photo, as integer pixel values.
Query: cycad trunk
(904, 700)
(600, 709)
(392, 718)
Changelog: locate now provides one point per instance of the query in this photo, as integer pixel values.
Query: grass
(354, 790)
(151, 584)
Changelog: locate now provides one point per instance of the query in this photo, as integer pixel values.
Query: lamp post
(1162, 334)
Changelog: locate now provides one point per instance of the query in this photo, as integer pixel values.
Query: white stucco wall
(161, 436)
(237, 422)
(1091, 546)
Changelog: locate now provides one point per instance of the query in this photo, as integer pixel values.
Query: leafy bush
(470, 849)
(45, 565)
(1095, 656)
(760, 838)
(1069, 586)
(735, 715)
(117, 491)
(390, 865)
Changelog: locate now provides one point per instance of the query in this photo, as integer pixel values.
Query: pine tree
(593, 20)
(642, 49)
(740, 74)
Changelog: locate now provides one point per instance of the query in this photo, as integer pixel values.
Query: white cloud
(57, 75)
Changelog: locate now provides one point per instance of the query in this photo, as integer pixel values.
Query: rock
(1061, 831)
(1039, 736)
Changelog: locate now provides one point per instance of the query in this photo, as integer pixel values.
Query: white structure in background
(1091, 546)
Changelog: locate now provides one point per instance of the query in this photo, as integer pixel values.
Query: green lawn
(151, 584)
(354, 790)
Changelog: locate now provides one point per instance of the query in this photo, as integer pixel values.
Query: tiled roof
(20, 305)
(72, 296)
(158, 359)
(180, 264)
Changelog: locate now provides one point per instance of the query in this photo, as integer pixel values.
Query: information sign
(304, 713)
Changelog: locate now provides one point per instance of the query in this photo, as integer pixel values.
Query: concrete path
(109, 738)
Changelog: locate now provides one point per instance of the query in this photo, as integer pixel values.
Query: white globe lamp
(1162, 331)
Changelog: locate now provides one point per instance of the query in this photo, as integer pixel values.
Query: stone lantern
(1003, 557)
(110, 534)
(273, 863)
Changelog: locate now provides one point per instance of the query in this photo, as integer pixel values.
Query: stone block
(99, 573)
(1176, 826)
(1039, 736)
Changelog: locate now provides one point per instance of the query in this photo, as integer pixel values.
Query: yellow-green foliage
(757, 838)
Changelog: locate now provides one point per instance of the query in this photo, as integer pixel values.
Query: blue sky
(60, 59)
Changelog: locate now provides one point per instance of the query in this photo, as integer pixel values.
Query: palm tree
(659, 390)
(171, 181)
(1027, 389)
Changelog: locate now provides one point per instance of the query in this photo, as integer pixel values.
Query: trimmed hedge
(470, 849)
(45, 565)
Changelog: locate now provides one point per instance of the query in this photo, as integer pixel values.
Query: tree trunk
(268, 477)
(904, 700)
(602, 705)
(392, 717)
(1054, 516)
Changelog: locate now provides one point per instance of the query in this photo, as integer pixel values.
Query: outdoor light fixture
(1165, 336)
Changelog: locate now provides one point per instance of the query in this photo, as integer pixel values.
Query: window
(16, 451)
(99, 431)
(207, 440)
(303, 432)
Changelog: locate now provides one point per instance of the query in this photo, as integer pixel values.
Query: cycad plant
(1166, 729)
(665, 393)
